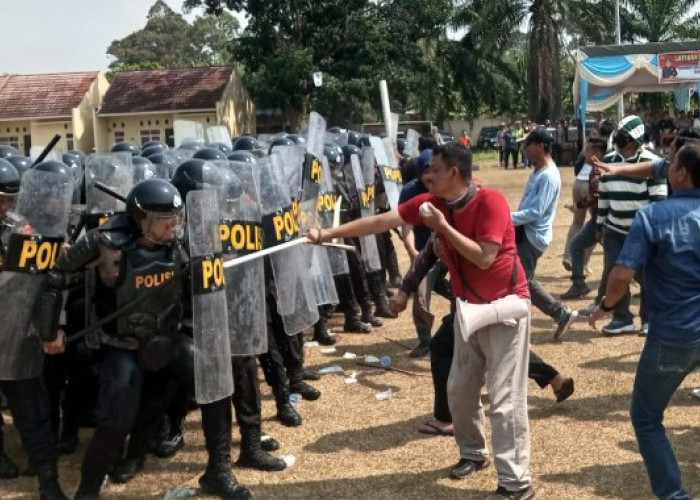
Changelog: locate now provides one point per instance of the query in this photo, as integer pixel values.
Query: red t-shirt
(486, 218)
(465, 141)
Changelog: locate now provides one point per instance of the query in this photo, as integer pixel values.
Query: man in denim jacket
(664, 241)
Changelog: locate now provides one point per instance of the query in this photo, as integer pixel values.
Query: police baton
(106, 189)
(284, 246)
(47, 149)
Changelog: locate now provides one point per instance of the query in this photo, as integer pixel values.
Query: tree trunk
(543, 71)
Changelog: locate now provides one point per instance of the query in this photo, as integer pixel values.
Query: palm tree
(494, 24)
(660, 20)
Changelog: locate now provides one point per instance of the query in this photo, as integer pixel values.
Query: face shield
(162, 229)
(7, 203)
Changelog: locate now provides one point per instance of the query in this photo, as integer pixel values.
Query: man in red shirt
(475, 231)
(465, 140)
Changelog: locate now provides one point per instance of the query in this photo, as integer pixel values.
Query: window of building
(69, 141)
(118, 136)
(150, 135)
(10, 141)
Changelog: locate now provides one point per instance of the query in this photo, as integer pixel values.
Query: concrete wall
(131, 126)
(235, 109)
(12, 129)
(83, 116)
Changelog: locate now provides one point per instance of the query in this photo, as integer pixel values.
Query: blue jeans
(581, 241)
(662, 368)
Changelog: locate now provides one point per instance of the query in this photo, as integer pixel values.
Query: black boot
(47, 475)
(173, 442)
(268, 443)
(252, 454)
(353, 324)
(8, 469)
(378, 291)
(307, 374)
(305, 390)
(286, 413)
(392, 266)
(322, 334)
(218, 480)
(127, 468)
(367, 316)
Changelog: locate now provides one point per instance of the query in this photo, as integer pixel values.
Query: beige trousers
(499, 355)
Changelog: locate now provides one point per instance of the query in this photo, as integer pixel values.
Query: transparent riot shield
(37, 231)
(212, 348)
(220, 134)
(280, 223)
(143, 170)
(241, 234)
(187, 129)
(388, 168)
(113, 170)
(327, 202)
(365, 192)
(411, 148)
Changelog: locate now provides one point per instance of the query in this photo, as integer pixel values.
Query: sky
(46, 36)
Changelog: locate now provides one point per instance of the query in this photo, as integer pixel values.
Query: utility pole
(618, 41)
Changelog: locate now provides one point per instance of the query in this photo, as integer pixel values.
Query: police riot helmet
(224, 148)
(9, 178)
(79, 154)
(209, 154)
(190, 175)
(334, 154)
(143, 168)
(281, 142)
(70, 158)
(56, 167)
(152, 150)
(21, 163)
(242, 156)
(150, 200)
(247, 143)
(335, 130)
(192, 144)
(350, 150)
(401, 144)
(164, 159)
(126, 147)
(159, 144)
(353, 138)
(296, 138)
(363, 141)
(7, 151)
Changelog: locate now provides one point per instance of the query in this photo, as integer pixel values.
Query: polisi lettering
(287, 223)
(316, 172)
(368, 196)
(39, 254)
(392, 174)
(326, 202)
(152, 280)
(212, 273)
(240, 235)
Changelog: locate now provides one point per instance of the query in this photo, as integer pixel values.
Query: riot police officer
(139, 272)
(30, 237)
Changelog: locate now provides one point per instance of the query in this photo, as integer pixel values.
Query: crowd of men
(137, 295)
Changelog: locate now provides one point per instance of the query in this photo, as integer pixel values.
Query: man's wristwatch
(603, 307)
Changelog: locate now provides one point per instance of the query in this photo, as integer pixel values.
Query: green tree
(493, 28)
(355, 43)
(168, 40)
(660, 20)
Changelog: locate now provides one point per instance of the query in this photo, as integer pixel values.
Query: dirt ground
(354, 446)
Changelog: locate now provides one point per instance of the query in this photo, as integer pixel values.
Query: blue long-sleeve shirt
(538, 206)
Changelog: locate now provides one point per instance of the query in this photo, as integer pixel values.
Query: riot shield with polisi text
(212, 347)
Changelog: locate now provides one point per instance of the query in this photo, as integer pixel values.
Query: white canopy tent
(605, 73)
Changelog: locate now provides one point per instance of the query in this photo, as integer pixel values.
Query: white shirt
(585, 172)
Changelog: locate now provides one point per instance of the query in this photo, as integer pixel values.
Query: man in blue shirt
(533, 225)
(664, 241)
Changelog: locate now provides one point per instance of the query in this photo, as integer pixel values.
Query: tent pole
(618, 40)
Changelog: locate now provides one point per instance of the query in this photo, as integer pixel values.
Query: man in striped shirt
(619, 199)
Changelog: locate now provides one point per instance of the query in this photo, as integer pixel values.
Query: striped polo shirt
(620, 196)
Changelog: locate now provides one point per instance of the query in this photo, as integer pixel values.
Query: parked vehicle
(488, 138)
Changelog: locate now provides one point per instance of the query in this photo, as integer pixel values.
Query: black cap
(538, 135)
